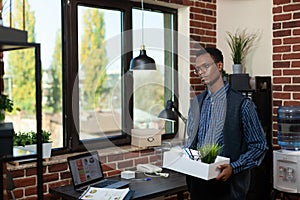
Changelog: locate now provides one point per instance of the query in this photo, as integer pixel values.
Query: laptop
(86, 170)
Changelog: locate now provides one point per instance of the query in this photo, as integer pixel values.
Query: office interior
(183, 26)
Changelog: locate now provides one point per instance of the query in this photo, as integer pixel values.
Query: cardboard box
(176, 159)
(145, 137)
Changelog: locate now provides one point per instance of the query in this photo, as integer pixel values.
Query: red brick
(281, 49)
(296, 15)
(295, 64)
(33, 171)
(277, 57)
(277, 9)
(115, 157)
(296, 31)
(291, 72)
(277, 87)
(195, 10)
(281, 64)
(282, 17)
(17, 173)
(296, 80)
(23, 182)
(276, 26)
(277, 103)
(50, 177)
(65, 175)
(291, 56)
(57, 167)
(292, 24)
(291, 7)
(133, 154)
(198, 16)
(280, 80)
(291, 40)
(276, 72)
(292, 103)
(296, 48)
(296, 95)
(282, 33)
(141, 160)
(33, 190)
(281, 95)
(125, 164)
(281, 2)
(291, 88)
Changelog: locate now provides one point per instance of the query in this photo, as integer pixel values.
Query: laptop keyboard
(105, 183)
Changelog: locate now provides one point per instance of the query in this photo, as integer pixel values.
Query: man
(220, 115)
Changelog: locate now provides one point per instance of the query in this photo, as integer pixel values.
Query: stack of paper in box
(178, 160)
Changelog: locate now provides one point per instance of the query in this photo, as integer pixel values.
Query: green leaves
(28, 138)
(240, 43)
(5, 105)
(209, 152)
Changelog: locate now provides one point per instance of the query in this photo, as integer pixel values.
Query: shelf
(18, 44)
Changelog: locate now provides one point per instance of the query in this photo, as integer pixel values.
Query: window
(20, 76)
(90, 97)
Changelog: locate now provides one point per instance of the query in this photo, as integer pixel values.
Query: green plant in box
(30, 137)
(209, 152)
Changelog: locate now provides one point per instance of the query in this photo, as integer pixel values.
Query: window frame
(71, 138)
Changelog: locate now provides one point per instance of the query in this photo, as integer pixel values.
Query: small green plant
(240, 43)
(29, 137)
(6, 105)
(209, 152)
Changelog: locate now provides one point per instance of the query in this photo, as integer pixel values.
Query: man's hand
(226, 172)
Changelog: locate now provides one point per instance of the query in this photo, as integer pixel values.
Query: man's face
(207, 69)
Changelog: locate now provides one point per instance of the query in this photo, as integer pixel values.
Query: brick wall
(286, 56)
(56, 172)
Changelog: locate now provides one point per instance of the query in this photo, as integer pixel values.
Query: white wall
(254, 15)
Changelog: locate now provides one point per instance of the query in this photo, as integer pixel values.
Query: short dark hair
(215, 53)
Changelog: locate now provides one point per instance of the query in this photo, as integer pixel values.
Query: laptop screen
(85, 169)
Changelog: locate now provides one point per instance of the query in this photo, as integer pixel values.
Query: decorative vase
(237, 69)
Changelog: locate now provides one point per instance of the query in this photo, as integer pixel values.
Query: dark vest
(233, 134)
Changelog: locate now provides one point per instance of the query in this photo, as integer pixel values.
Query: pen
(190, 156)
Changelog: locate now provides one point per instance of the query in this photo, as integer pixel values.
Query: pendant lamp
(142, 62)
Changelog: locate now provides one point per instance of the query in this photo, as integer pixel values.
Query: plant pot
(237, 68)
(32, 148)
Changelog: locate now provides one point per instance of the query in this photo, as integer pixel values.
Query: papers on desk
(94, 193)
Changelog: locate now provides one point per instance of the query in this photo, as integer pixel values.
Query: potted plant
(209, 152)
(28, 140)
(6, 105)
(240, 43)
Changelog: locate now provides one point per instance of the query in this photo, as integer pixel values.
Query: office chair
(10, 186)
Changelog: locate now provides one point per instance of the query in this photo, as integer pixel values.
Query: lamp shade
(168, 113)
(142, 62)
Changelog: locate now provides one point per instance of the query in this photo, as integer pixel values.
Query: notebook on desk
(86, 170)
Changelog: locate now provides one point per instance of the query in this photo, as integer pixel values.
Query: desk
(157, 186)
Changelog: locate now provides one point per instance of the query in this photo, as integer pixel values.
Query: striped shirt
(253, 131)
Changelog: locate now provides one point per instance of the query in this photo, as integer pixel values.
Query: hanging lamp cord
(142, 3)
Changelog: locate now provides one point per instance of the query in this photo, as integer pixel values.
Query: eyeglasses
(203, 67)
